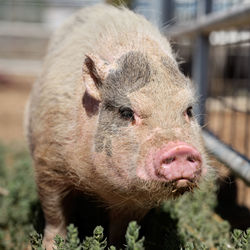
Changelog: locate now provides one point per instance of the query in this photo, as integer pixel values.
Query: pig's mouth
(182, 185)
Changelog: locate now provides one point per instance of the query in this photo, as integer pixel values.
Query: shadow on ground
(227, 207)
(158, 228)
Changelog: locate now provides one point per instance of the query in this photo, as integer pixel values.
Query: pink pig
(111, 116)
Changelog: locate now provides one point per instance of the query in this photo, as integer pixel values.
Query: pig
(111, 117)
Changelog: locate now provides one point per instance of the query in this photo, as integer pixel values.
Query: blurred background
(212, 40)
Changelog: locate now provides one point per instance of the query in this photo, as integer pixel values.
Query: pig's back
(56, 98)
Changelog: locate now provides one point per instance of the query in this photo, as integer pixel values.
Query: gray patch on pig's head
(109, 124)
(171, 68)
(133, 73)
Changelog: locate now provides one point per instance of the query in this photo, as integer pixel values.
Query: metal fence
(190, 9)
(216, 48)
(228, 100)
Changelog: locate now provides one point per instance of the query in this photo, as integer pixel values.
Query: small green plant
(95, 242)
(16, 204)
(241, 239)
(132, 237)
(36, 241)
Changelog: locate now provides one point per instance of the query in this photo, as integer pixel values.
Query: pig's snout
(177, 161)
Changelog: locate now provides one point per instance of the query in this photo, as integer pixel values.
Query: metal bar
(168, 12)
(247, 120)
(222, 112)
(231, 18)
(200, 74)
(200, 64)
(204, 7)
(235, 161)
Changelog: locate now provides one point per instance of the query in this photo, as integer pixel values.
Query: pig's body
(110, 116)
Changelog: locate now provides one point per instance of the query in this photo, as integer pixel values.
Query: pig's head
(147, 143)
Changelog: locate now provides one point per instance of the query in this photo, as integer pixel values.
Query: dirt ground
(13, 98)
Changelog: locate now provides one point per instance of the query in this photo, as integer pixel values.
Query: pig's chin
(162, 190)
(151, 193)
(180, 186)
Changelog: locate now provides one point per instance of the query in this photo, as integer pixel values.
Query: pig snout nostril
(191, 158)
(178, 163)
(169, 160)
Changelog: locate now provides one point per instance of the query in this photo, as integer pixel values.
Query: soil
(13, 98)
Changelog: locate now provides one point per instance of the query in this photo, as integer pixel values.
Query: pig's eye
(189, 112)
(126, 113)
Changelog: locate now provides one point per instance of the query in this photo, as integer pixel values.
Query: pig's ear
(93, 76)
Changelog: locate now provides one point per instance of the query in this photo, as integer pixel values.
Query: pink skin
(176, 161)
(137, 119)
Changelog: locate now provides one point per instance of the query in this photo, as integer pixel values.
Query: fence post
(200, 62)
(168, 12)
(200, 74)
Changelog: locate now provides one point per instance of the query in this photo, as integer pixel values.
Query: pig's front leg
(52, 195)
